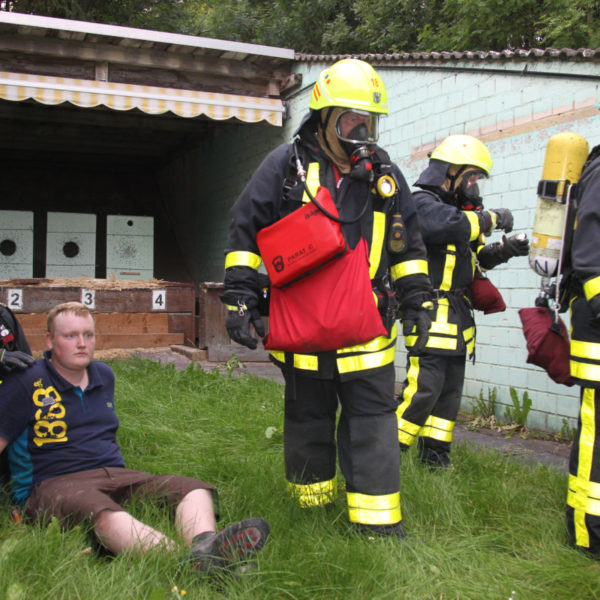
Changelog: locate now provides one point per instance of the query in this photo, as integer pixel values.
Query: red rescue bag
(332, 308)
(302, 241)
(547, 342)
(485, 295)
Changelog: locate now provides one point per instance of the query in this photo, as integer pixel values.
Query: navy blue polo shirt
(54, 428)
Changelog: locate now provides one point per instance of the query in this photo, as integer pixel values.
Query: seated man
(58, 420)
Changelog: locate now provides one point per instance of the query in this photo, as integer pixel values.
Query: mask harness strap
(302, 175)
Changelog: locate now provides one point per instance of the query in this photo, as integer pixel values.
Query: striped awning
(151, 100)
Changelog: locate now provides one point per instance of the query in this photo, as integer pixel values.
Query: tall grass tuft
(485, 529)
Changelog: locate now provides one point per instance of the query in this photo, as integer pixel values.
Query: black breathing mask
(361, 165)
(467, 195)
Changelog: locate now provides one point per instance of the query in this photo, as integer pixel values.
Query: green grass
(487, 528)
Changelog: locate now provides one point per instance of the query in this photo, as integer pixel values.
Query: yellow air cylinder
(565, 155)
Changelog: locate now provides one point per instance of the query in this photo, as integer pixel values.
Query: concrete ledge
(194, 354)
(222, 353)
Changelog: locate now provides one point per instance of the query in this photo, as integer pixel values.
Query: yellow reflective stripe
(349, 364)
(469, 336)
(584, 469)
(232, 307)
(584, 495)
(437, 428)
(589, 350)
(376, 242)
(433, 341)
(313, 180)
(591, 287)
(407, 431)
(582, 506)
(474, 222)
(239, 258)
(449, 265)
(374, 510)
(314, 494)
(307, 362)
(444, 328)
(585, 371)
(410, 267)
(409, 391)
(378, 343)
(441, 315)
(441, 343)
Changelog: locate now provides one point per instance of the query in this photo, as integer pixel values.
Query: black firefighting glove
(594, 304)
(504, 219)
(492, 255)
(417, 318)
(515, 245)
(238, 322)
(15, 360)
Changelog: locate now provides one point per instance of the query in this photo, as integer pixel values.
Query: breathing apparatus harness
(367, 165)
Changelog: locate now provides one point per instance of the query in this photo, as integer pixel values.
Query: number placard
(15, 299)
(88, 298)
(159, 299)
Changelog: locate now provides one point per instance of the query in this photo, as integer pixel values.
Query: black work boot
(211, 552)
(434, 458)
(396, 530)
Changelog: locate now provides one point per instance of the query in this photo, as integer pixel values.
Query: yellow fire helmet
(350, 83)
(464, 150)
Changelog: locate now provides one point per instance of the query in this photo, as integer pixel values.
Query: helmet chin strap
(454, 177)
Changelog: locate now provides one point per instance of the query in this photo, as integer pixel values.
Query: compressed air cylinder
(565, 155)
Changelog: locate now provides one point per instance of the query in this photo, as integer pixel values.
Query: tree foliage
(163, 15)
(350, 26)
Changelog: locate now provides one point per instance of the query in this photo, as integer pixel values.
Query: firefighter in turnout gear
(15, 354)
(454, 225)
(335, 147)
(583, 499)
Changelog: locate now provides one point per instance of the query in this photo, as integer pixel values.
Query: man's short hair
(77, 308)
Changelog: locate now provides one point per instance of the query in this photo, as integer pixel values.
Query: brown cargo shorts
(81, 496)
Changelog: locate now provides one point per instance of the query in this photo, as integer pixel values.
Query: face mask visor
(357, 127)
(470, 184)
(469, 192)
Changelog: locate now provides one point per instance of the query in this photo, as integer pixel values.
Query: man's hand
(238, 322)
(418, 319)
(504, 219)
(15, 360)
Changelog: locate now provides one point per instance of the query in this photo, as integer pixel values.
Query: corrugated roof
(132, 37)
(541, 54)
(63, 47)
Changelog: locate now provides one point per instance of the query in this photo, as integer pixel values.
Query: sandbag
(547, 342)
(485, 296)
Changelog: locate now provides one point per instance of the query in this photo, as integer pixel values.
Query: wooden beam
(175, 61)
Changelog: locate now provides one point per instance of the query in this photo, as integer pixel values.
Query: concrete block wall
(203, 184)
(514, 110)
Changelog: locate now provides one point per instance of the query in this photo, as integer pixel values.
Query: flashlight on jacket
(386, 186)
